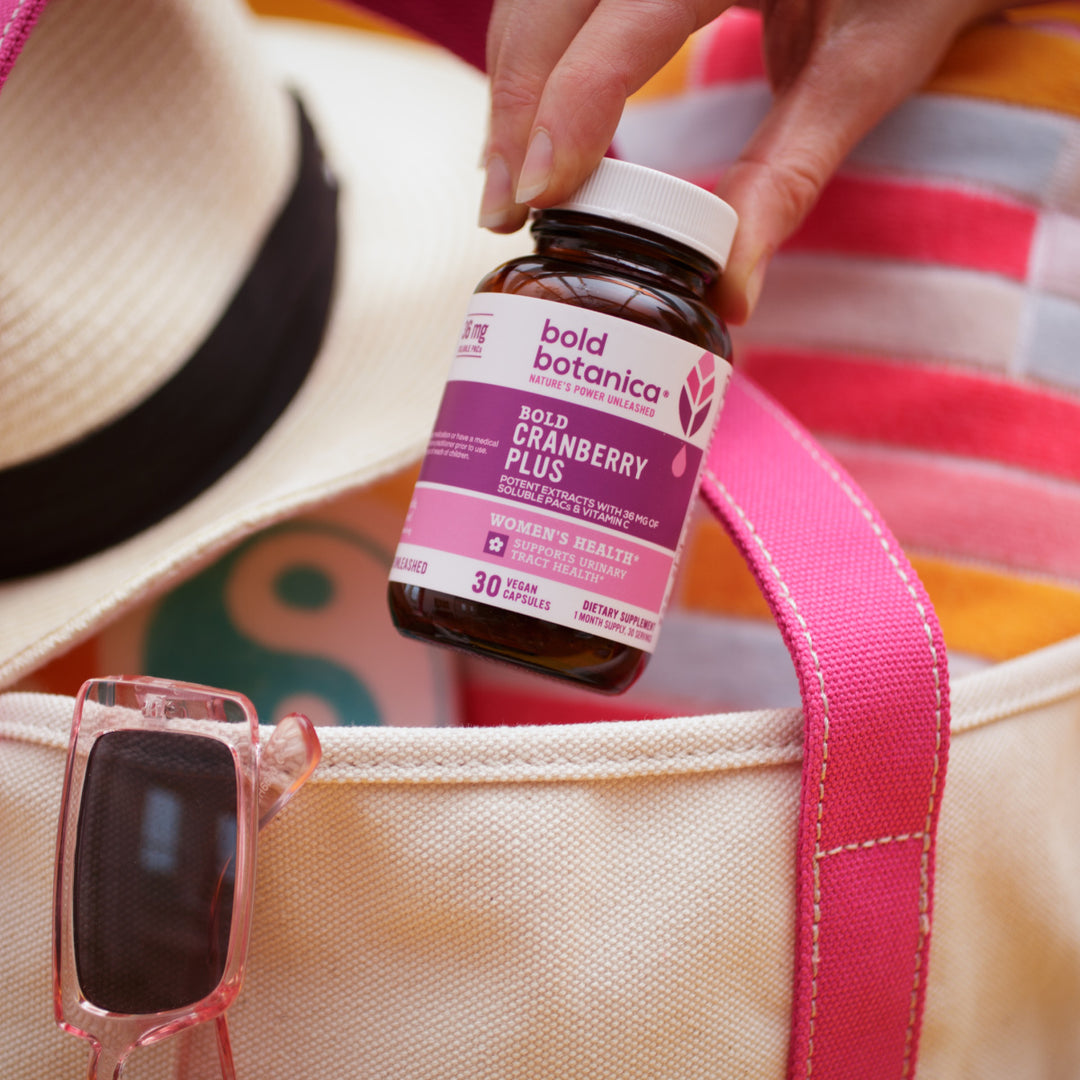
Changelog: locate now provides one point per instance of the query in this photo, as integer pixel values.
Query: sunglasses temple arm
(106, 1063)
(188, 1062)
(225, 1049)
(287, 760)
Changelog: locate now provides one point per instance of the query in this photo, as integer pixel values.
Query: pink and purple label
(566, 452)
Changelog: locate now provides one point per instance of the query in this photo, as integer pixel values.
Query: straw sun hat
(199, 333)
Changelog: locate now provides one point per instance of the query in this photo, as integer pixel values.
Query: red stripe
(859, 215)
(496, 705)
(866, 216)
(730, 50)
(922, 407)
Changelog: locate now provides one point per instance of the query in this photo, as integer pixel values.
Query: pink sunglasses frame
(147, 704)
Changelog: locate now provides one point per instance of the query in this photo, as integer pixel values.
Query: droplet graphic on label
(678, 464)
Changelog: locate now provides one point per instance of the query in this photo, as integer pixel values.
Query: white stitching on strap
(924, 868)
(11, 20)
(901, 838)
(815, 954)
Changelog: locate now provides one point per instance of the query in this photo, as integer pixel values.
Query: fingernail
(485, 149)
(537, 168)
(754, 283)
(497, 202)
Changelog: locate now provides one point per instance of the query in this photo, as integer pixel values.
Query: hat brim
(400, 123)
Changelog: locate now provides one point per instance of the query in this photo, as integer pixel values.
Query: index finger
(621, 45)
(525, 42)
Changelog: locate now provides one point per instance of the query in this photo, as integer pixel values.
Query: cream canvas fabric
(608, 900)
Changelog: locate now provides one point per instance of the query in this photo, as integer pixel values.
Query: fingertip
(551, 179)
(762, 228)
(498, 210)
(497, 199)
(738, 291)
(754, 283)
(739, 286)
(537, 168)
(731, 303)
(509, 222)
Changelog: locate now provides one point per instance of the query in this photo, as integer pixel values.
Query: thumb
(841, 92)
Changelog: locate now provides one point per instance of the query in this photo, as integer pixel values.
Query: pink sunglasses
(165, 790)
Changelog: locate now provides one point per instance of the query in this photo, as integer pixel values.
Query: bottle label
(559, 476)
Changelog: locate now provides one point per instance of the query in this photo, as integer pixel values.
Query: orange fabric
(1015, 60)
(1062, 12)
(326, 11)
(714, 577)
(1015, 64)
(983, 611)
(670, 80)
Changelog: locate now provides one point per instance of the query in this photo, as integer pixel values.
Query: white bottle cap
(658, 202)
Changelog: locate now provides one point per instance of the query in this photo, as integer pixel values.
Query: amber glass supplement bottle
(547, 520)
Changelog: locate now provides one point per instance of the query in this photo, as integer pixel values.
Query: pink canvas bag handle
(871, 664)
(17, 18)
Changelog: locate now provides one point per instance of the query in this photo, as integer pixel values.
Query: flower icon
(496, 544)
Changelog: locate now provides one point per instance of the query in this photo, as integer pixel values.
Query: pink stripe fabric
(1055, 264)
(930, 408)
(994, 514)
(871, 664)
(17, 18)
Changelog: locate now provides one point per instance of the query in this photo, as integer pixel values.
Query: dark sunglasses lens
(154, 871)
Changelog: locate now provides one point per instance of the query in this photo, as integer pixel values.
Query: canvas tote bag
(755, 895)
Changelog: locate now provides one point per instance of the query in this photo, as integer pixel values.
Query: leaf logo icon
(697, 394)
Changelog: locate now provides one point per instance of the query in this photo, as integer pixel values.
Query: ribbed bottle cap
(661, 203)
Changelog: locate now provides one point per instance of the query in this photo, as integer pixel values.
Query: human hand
(561, 72)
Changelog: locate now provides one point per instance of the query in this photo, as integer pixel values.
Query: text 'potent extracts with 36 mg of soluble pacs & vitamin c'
(552, 503)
